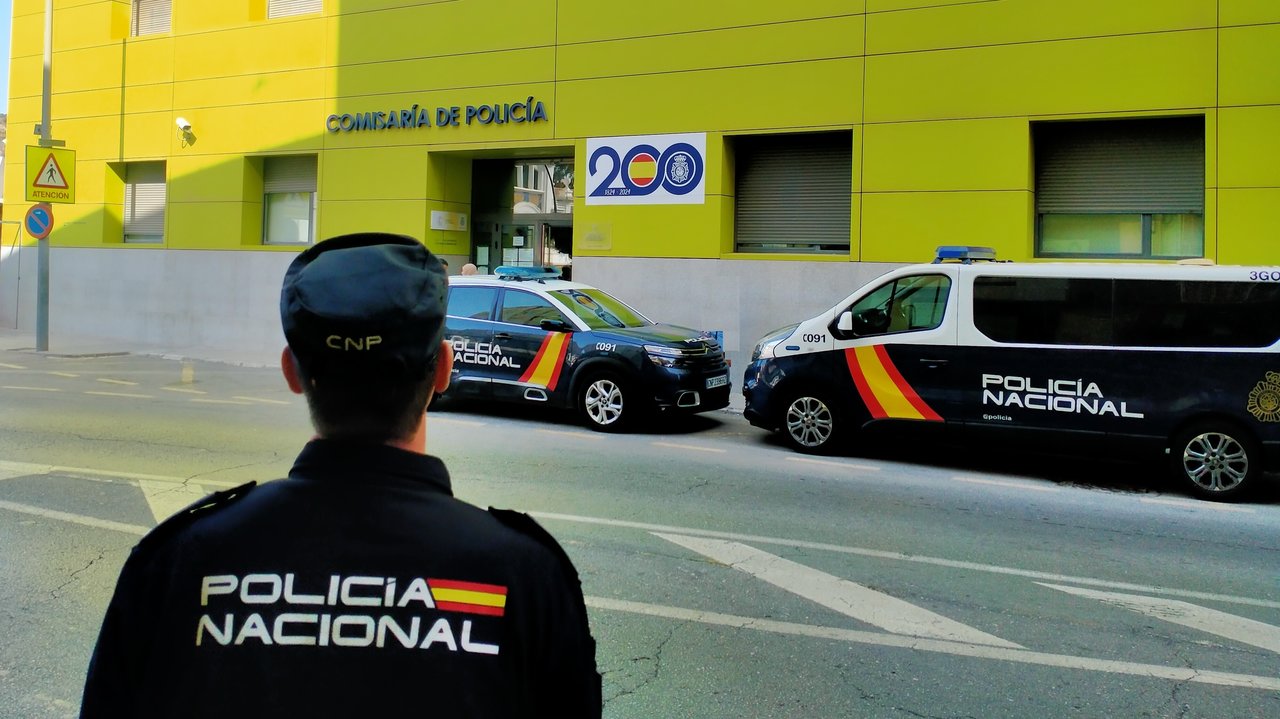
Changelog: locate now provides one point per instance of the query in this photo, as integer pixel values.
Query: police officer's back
(359, 584)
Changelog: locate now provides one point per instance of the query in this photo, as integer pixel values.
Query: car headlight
(765, 347)
(664, 356)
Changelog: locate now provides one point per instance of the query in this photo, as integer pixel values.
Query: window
(599, 310)
(1043, 310)
(526, 308)
(792, 192)
(1120, 188)
(473, 303)
(150, 17)
(144, 200)
(905, 305)
(289, 200)
(284, 8)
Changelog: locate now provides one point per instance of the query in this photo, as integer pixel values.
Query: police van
(1181, 359)
(524, 335)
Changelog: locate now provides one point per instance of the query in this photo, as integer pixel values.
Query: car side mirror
(555, 326)
(845, 323)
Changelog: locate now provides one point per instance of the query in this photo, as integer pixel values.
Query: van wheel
(606, 403)
(810, 423)
(1217, 459)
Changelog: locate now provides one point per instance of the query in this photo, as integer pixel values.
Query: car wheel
(1217, 459)
(606, 403)
(810, 423)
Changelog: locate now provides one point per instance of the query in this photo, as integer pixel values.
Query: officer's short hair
(364, 315)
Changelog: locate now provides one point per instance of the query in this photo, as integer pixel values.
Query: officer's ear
(444, 367)
(289, 366)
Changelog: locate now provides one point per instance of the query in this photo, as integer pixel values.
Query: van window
(1043, 310)
(1162, 313)
(906, 304)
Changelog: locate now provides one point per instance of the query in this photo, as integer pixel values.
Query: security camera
(183, 124)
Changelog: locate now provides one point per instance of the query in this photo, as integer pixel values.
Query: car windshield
(599, 310)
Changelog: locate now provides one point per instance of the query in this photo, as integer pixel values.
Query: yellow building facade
(939, 109)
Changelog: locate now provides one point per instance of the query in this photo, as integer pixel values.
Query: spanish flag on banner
(884, 391)
(469, 597)
(545, 368)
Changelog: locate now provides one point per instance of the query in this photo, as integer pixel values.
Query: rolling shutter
(1120, 166)
(793, 192)
(151, 16)
(144, 200)
(289, 174)
(284, 8)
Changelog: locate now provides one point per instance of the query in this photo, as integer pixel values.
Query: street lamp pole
(46, 140)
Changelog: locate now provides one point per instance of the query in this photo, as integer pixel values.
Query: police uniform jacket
(357, 586)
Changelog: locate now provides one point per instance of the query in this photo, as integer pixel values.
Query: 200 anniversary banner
(647, 170)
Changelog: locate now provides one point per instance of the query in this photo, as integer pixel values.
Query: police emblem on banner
(1264, 399)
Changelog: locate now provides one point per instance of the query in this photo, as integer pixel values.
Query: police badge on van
(1264, 399)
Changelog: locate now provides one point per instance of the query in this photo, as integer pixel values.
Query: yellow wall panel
(456, 27)
(1243, 12)
(406, 217)
(94, 68)
(146, 136)
(1249, 146)
(148, 98)
(587, 20)
(512, 67)
(909, 226)
(1111, 74)
(257, 48)
(231, 129)
(807, 94)
(753, 45)
(948, 155)
(148, 60)
(203, 225)
(77, 26)
(202, 16)
(383, 173)
(205, 178)
(1244, 216)
(250, 89)
(1010, 21)
(448, 178)
(1250, 71)
(93, 138)
(646, 230)
(875, 6)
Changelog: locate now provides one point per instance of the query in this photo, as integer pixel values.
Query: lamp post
(46, 140)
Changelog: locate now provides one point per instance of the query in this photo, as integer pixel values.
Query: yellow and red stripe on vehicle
(884, 391)
(545, 368)
(470, 597)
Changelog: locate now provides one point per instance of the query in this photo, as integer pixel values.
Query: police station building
(728, 166)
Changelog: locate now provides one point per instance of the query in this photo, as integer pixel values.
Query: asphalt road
(726, 576)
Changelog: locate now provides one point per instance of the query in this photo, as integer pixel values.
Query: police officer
(358, 586)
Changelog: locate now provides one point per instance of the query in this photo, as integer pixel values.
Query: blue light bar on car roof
(964, 253)
(508, 272)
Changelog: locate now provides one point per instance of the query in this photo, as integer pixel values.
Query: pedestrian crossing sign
(51, 174)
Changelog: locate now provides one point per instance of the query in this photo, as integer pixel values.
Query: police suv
(1179, 358)
(525, 335)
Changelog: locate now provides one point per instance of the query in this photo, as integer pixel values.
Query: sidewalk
(60, 345)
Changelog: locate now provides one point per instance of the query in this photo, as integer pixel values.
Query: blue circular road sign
(39, 221)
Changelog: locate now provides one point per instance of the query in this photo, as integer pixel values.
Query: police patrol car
(525, 335)
(1179, 358)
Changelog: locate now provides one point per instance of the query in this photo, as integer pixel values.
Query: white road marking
(1005, 483)
(900, 557)
(978, 651)
(11, 366)
(1212, 621)
(64, 374)
(221, 401)
(126, 382)
(32, 389)
(75, 518)
(693, 447)
(184, 390)
(26, 468)
(849, 598)
(1216, 506)
(119, 394)
(166, 498)
(575, 435)
(263, 401)
(838, 465)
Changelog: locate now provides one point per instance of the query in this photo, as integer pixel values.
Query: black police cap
(364, 303)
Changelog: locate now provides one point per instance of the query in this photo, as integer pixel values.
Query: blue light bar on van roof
(964, 253)
(509, 272)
